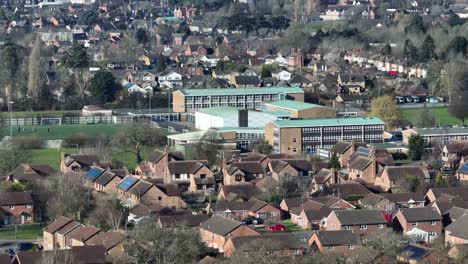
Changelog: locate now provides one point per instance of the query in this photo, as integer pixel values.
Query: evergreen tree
(103, 86)
(416, 147)
(161, 63)
(410, 51)
(334, 162)
(427, 51)
(141, 36)
(77, 57)
(458, 45)
(387, 49)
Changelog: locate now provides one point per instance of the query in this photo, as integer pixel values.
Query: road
(6, 244)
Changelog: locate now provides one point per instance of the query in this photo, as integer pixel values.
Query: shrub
(31, 142)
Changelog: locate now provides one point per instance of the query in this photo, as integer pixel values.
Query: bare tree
(35, 70)
(108, 213)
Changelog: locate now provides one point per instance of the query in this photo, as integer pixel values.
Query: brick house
(77, 162)
(324, 178)
(239, 210)
(309, 215)
(16, 208)
(389, 202)
(242, 171)
(107, 182)
(392, 176)
(457, 233)
(422, 224)
(456, 192)
(157, 163)
(338, 241)
(80, 235)
(215, 231)
(241, 191)
(111, 240)
(48, 234)
(30, 172)
(133, 191)
(291, 167)
(190, 175)
(361, 222)
(281, 245)
(86, 254)
(345, 149)
(453, 152)
(347, 190)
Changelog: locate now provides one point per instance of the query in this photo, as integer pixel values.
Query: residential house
(16, 208)
(196, 50)
(344, 150)
(325, 178)
(30, 172)
(281, 75)
(457, 233)
(156, 164)
(49, 241)
(217, 230)
(190, 175)
(81, 235)
(170, 78)
(239, 191)
(349, 190)
(338, 241)
(282, 245)
(242, 171)
(361, 222)
(420, 224)
(77, 162)
(393, 176)
(181, 220)
(301, 81)
(389, 202)
(292, 167)
(239, 210)
(453, 153)
(141, 212)
(112, 241)
(310, 215)
(442, 134)
(462, 173)
(245, 81)
(85, 255)
(107, 182)
(456, 192)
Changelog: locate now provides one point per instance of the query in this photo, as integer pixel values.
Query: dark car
(247, 221)
(25, 246)
(258, 221)
(11, 252)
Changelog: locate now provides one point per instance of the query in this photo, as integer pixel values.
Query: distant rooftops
(441, 130)
(330, 122)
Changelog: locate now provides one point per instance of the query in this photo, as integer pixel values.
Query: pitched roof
(243, 190)
(82, 233)
(460, 192)
(57, 224)
(87, 160)
(404, 197)
(186, 166)
(140, 188)
(322, 176)
(107, 239)
(336, 238)
(357, 217)
(347, 189)
(15, 198)
(247, 80)
(187, 220)
(68, 227)
(157, 155)
(371, 199)
(341, 146)
(397, 172)
(458, 228)
(420, 214)
(146, 209)
(360, 163)
(252, 205)
(29, 172)
(169, 189)
(248, 167)
(105, 178)
(220, 225)
(77, 255)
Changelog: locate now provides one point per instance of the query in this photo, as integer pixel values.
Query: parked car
(415, 99)
(409, 99)
(25, 246)
(247, 221)
(399, 100)
(258, 221)
(11, 252)
(277, 227)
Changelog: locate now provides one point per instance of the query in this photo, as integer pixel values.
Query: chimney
(333, 179)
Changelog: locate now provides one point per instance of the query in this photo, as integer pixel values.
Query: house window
(363, 227)
(331, 248)
(433, 222)
(12, 207)
(432, 234)
(28, 206)
(28, 217)
(294, 149)
(380, 226)
(177, 176)
(350, 246)
(294, 139)
(238, 177)
(159, 198)
(203, 176)
(347, 227)
(415, 224)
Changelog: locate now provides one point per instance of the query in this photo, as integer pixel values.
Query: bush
(79, 139)
(31, 142)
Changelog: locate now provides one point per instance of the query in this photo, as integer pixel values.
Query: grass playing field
(28, 231)
(63, 131)
(442, 116)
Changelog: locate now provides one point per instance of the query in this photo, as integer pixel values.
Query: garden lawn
(441, 114)
(289, 225)
(28, 231)
(49, 156)
(63, 131)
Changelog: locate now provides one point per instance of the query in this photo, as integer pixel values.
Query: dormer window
(203, 176)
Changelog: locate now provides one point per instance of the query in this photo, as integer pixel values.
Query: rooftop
(330, 122)
(441, 130)
(292, 105)
(248, 91)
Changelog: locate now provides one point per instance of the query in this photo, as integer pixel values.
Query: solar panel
(414, 252)
(93, 173)
(363, 150)
(464, 168)
(126, 183)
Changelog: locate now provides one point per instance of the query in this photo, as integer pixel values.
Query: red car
(276, 228)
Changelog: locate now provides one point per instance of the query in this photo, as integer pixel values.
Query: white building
(219, 117)
(281, 75)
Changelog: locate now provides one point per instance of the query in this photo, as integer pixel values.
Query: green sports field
(63, 131)
(442, 116)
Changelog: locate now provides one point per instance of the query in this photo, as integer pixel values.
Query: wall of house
(17, 210)
(48, 240)
(334, 224)
(111, 186)
(453, 239)
(269, 212)
(178, 102)
(212, 240)
(423, 225)
(286, 141)
(337, 249)
(288, 170)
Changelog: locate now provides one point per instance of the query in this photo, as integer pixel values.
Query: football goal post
(47, 121)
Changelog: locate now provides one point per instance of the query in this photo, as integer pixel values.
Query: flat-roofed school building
(301, 110)
(298, 137)
(192, 99)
